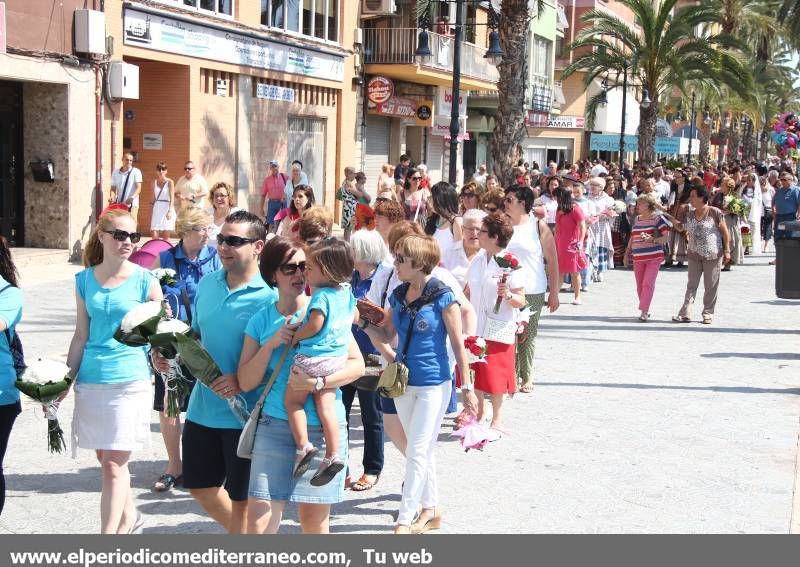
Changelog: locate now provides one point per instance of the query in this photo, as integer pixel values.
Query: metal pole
(624, 112)
(454, 119)
(691, 135)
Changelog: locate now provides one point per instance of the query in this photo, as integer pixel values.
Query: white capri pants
(421, 411)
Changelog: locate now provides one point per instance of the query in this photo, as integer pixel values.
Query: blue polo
(786, 201)
(221, 315)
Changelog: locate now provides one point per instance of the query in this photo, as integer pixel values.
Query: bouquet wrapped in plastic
(43, 382)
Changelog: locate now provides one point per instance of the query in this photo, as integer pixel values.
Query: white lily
(140, 314)
(161, 272)
(45, 370)
(172, 326)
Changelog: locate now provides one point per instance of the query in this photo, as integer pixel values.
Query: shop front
(552, 138)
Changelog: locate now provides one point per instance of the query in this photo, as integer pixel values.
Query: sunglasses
(161, 168)
(490, 209)
(510, 200)
(122, 236)
(234, 241)
(291, 269)
(220, 195)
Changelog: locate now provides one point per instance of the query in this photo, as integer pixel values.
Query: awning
(558, 95)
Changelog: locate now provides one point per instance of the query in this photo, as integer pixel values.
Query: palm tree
(789, 15)
(663, 56)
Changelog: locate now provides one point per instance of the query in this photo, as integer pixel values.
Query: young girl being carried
(322, 343)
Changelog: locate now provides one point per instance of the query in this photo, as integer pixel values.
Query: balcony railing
(397, 46)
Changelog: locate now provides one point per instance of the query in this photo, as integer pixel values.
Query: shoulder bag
(247, 438)
(123, 197)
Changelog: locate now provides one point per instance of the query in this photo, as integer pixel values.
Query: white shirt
(214, 228)
(125, 190)
(662, 189)
(527, 248)
(482, 278)
(456, 262)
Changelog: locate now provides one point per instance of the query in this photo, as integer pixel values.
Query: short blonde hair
(191, 219)
(423, 251)
(650, 199)
(228, 188)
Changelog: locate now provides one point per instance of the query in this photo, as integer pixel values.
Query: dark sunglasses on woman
(234, 241)
(291, 269)
(122, 236)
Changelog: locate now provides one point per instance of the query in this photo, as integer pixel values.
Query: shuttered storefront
(306, 142)
(376, 147)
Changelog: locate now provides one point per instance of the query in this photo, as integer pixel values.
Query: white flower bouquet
(176, 384)
(165, 276)
(43, 382)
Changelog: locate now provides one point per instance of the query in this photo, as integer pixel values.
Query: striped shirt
(643, 250)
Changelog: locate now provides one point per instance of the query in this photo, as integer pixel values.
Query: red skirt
(497, 375)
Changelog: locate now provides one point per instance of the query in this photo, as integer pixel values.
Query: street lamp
(645, 99)
(624, 112)
(706, 116)
(423, 55)
(691, 133)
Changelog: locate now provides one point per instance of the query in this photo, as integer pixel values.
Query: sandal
(644, 317)
(680, 319)
(707, 319)
(364, 483)
(526, 388)
(303, 459)
(328, 469)
(167, 482)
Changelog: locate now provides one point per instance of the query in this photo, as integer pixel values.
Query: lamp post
(691, 133)
(423, 55)
(624, 112)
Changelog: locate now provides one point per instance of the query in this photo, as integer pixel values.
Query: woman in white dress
(162, 221)
(222, 205)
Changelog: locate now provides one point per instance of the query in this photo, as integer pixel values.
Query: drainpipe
(98, 153)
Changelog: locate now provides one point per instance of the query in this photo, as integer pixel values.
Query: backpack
(15, 346)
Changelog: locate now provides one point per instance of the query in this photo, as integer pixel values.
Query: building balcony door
(12, 209)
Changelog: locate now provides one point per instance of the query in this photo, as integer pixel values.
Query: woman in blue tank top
(112, 381)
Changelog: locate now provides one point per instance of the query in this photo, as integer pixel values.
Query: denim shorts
(273, 463)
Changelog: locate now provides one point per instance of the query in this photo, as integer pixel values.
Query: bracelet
(467, 387)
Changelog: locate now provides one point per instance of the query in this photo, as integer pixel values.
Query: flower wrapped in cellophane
(476, 349)
(177, 386)
(44, 381)
(140, 323)
(165, 276)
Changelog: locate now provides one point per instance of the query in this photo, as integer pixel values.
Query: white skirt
(159, 219)
(112, 416)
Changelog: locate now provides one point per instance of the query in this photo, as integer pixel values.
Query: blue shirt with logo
(262, 326)
(221, 316)
(338, 306)
(106, 360)
(426, 358)
(786, 201)
(188, 274)
(11, 300)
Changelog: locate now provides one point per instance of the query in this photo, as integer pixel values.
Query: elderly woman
(602, 253)
(469, 197)
(302, 199)
(570, 234)
(460, 255)
(297, 177)
(223, 203)
(728, 189)
(444, 222)
(681, 186)
(267, 336)
(646, 245)
(492, 200)
(709, 244)
(533, 244)
(423, 314)
(191, 258)
(485, 284)
(369, 251)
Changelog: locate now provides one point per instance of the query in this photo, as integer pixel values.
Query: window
(218, 7)
(313, 18)
(541, 56)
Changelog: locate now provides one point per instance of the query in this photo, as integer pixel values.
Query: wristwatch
(363, 324)
(320, 383)
(468, 387)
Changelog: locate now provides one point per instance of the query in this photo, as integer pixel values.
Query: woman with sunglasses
(111, 380)
(415, 197)
(469, 197)
(492, 200)
(269, 331)
(192, 258)
(302, 199)
(162, 220)
(222, 204)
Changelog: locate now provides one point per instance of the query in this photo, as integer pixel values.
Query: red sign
(2, 27)
(400, 107)
(379, 90)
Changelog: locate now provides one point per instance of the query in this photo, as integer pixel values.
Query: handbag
(247, 438)
(500, 331)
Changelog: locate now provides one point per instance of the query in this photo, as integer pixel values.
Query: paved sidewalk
(632, 427)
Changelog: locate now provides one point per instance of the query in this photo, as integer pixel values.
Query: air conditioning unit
(90, 32)
(123, 80)
(377, 7)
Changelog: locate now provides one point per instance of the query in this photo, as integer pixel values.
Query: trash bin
(787, 261)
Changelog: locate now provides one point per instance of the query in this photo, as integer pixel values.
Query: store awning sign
(274, 92)
(610, 143)
(444, 102)
(537, 119)
(379, 90)
(666, 145)
(418, 112)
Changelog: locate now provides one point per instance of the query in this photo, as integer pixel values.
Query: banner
(610, 143)
(668, 145)
(179, 36)
(444, 102)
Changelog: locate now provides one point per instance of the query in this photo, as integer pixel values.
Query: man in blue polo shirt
(224, 303)
(786, 203)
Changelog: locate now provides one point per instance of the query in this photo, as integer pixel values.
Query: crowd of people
(274, 296)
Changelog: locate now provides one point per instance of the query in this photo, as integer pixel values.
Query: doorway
(12, 204)
(306, 143)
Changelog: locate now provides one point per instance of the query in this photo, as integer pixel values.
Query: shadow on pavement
(671, 327)
(795, 302)
(723, 389)
(755, 355)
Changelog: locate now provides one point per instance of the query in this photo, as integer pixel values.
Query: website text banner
(173, 35)
(377, 550)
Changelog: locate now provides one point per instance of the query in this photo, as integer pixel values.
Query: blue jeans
(273, 208)
(372, 419)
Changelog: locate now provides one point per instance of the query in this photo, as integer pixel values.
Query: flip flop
(167, 482)
(680, 319)
(363, 483)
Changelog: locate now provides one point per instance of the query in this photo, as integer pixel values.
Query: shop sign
(181, 37)
(273, 92)
(441, 127)
(379, 90)
(610, 143)
(665, 145)
(444, 102)
(416, 112)
(152, 141)
(536, 119)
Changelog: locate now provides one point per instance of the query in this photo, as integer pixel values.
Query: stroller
(147, 255)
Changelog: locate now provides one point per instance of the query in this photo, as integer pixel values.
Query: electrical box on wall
(123, 80)
(90, 32)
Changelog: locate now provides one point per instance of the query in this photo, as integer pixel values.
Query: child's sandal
(303, 459)
(328, 469)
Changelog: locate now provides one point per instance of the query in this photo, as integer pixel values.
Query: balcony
(396, 46)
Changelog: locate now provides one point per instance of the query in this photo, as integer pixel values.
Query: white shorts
(112, 416)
